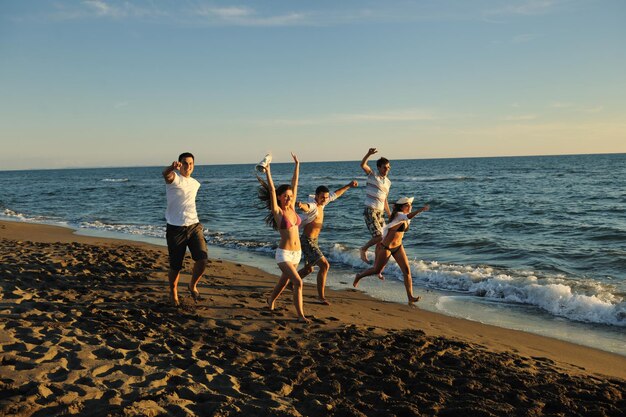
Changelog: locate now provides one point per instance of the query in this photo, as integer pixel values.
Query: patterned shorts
(311, 250)
(374, 220)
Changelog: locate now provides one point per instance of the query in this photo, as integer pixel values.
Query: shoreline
(437, 323)
(86, 318)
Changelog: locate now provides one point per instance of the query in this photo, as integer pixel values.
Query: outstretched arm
(168, 172)
(364, 165)
(345, 188)
(418, 211)
(294, 179)
(305, 207)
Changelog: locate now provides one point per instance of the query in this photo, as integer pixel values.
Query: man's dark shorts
(181, 237)
(374, 220)
(311, 250)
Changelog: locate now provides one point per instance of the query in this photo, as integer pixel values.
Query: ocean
(531, 243)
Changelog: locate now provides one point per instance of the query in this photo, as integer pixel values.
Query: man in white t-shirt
(376, 194)
(312, 222)
(183, 226)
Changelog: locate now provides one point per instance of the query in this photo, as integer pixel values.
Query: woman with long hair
(282, 217)
(391, 245)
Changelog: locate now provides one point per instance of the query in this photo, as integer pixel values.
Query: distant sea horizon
(287, 161)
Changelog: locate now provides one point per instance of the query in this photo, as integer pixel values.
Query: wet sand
(86, 329)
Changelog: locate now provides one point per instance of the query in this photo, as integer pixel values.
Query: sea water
(530, 243)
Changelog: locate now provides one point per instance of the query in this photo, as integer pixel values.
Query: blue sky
(121, 83)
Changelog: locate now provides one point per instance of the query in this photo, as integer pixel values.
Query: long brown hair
(266, 200)
(397, 208)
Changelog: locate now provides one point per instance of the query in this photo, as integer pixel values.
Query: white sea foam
(575, 299)
(131, 229)
(115, 180)
(16, 216)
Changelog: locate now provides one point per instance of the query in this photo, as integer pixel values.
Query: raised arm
(364, 165)
(345, 188)
(418, 211)
(294, 179)
(272, 192)
(168, 172)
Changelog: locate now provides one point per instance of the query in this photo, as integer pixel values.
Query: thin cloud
(561, 105)
(524, 38)
(597, 109)
(577, 107)
(524, 8)
(245, 13)
(103, 9)
(520, 117)
(245, 16)
(408, 115)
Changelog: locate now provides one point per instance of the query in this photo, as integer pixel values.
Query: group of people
(184, 229)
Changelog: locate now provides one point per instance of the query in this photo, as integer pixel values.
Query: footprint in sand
(102, 371)
(59, 375)
(106, 353)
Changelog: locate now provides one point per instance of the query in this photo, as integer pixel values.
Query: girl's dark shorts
(179, 238)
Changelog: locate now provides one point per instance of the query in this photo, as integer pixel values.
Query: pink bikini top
(286, 224)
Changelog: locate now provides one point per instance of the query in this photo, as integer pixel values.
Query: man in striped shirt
(376, 193)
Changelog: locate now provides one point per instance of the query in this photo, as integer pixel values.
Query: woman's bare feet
(304, 320)
(270, 304)
(381, 277)
(355, 283)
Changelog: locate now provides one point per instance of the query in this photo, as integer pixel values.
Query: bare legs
(382, 257)
(324, 266)
(403, 263)
(289, 273)
(363, 250)
(174, 276)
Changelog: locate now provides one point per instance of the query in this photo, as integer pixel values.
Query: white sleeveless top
(181, 201)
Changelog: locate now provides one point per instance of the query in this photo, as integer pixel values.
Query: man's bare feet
(413, 300)
(355, 283)
(304, 320)
(195, 295)
(381, 277)
(174, 300)
(363, 255)
(323, 301)
(270, 304)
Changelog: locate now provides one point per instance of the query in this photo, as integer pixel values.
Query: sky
(135, 83)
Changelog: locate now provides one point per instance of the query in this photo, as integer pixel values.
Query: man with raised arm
(376, 193)
(183, 226)
(312, 222)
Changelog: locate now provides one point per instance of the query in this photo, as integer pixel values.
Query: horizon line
(314, 162)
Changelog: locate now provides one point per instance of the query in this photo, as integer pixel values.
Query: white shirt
(376, 191)
(310, 215)
(181, 201)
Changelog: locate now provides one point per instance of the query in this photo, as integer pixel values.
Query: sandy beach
(86, 329)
